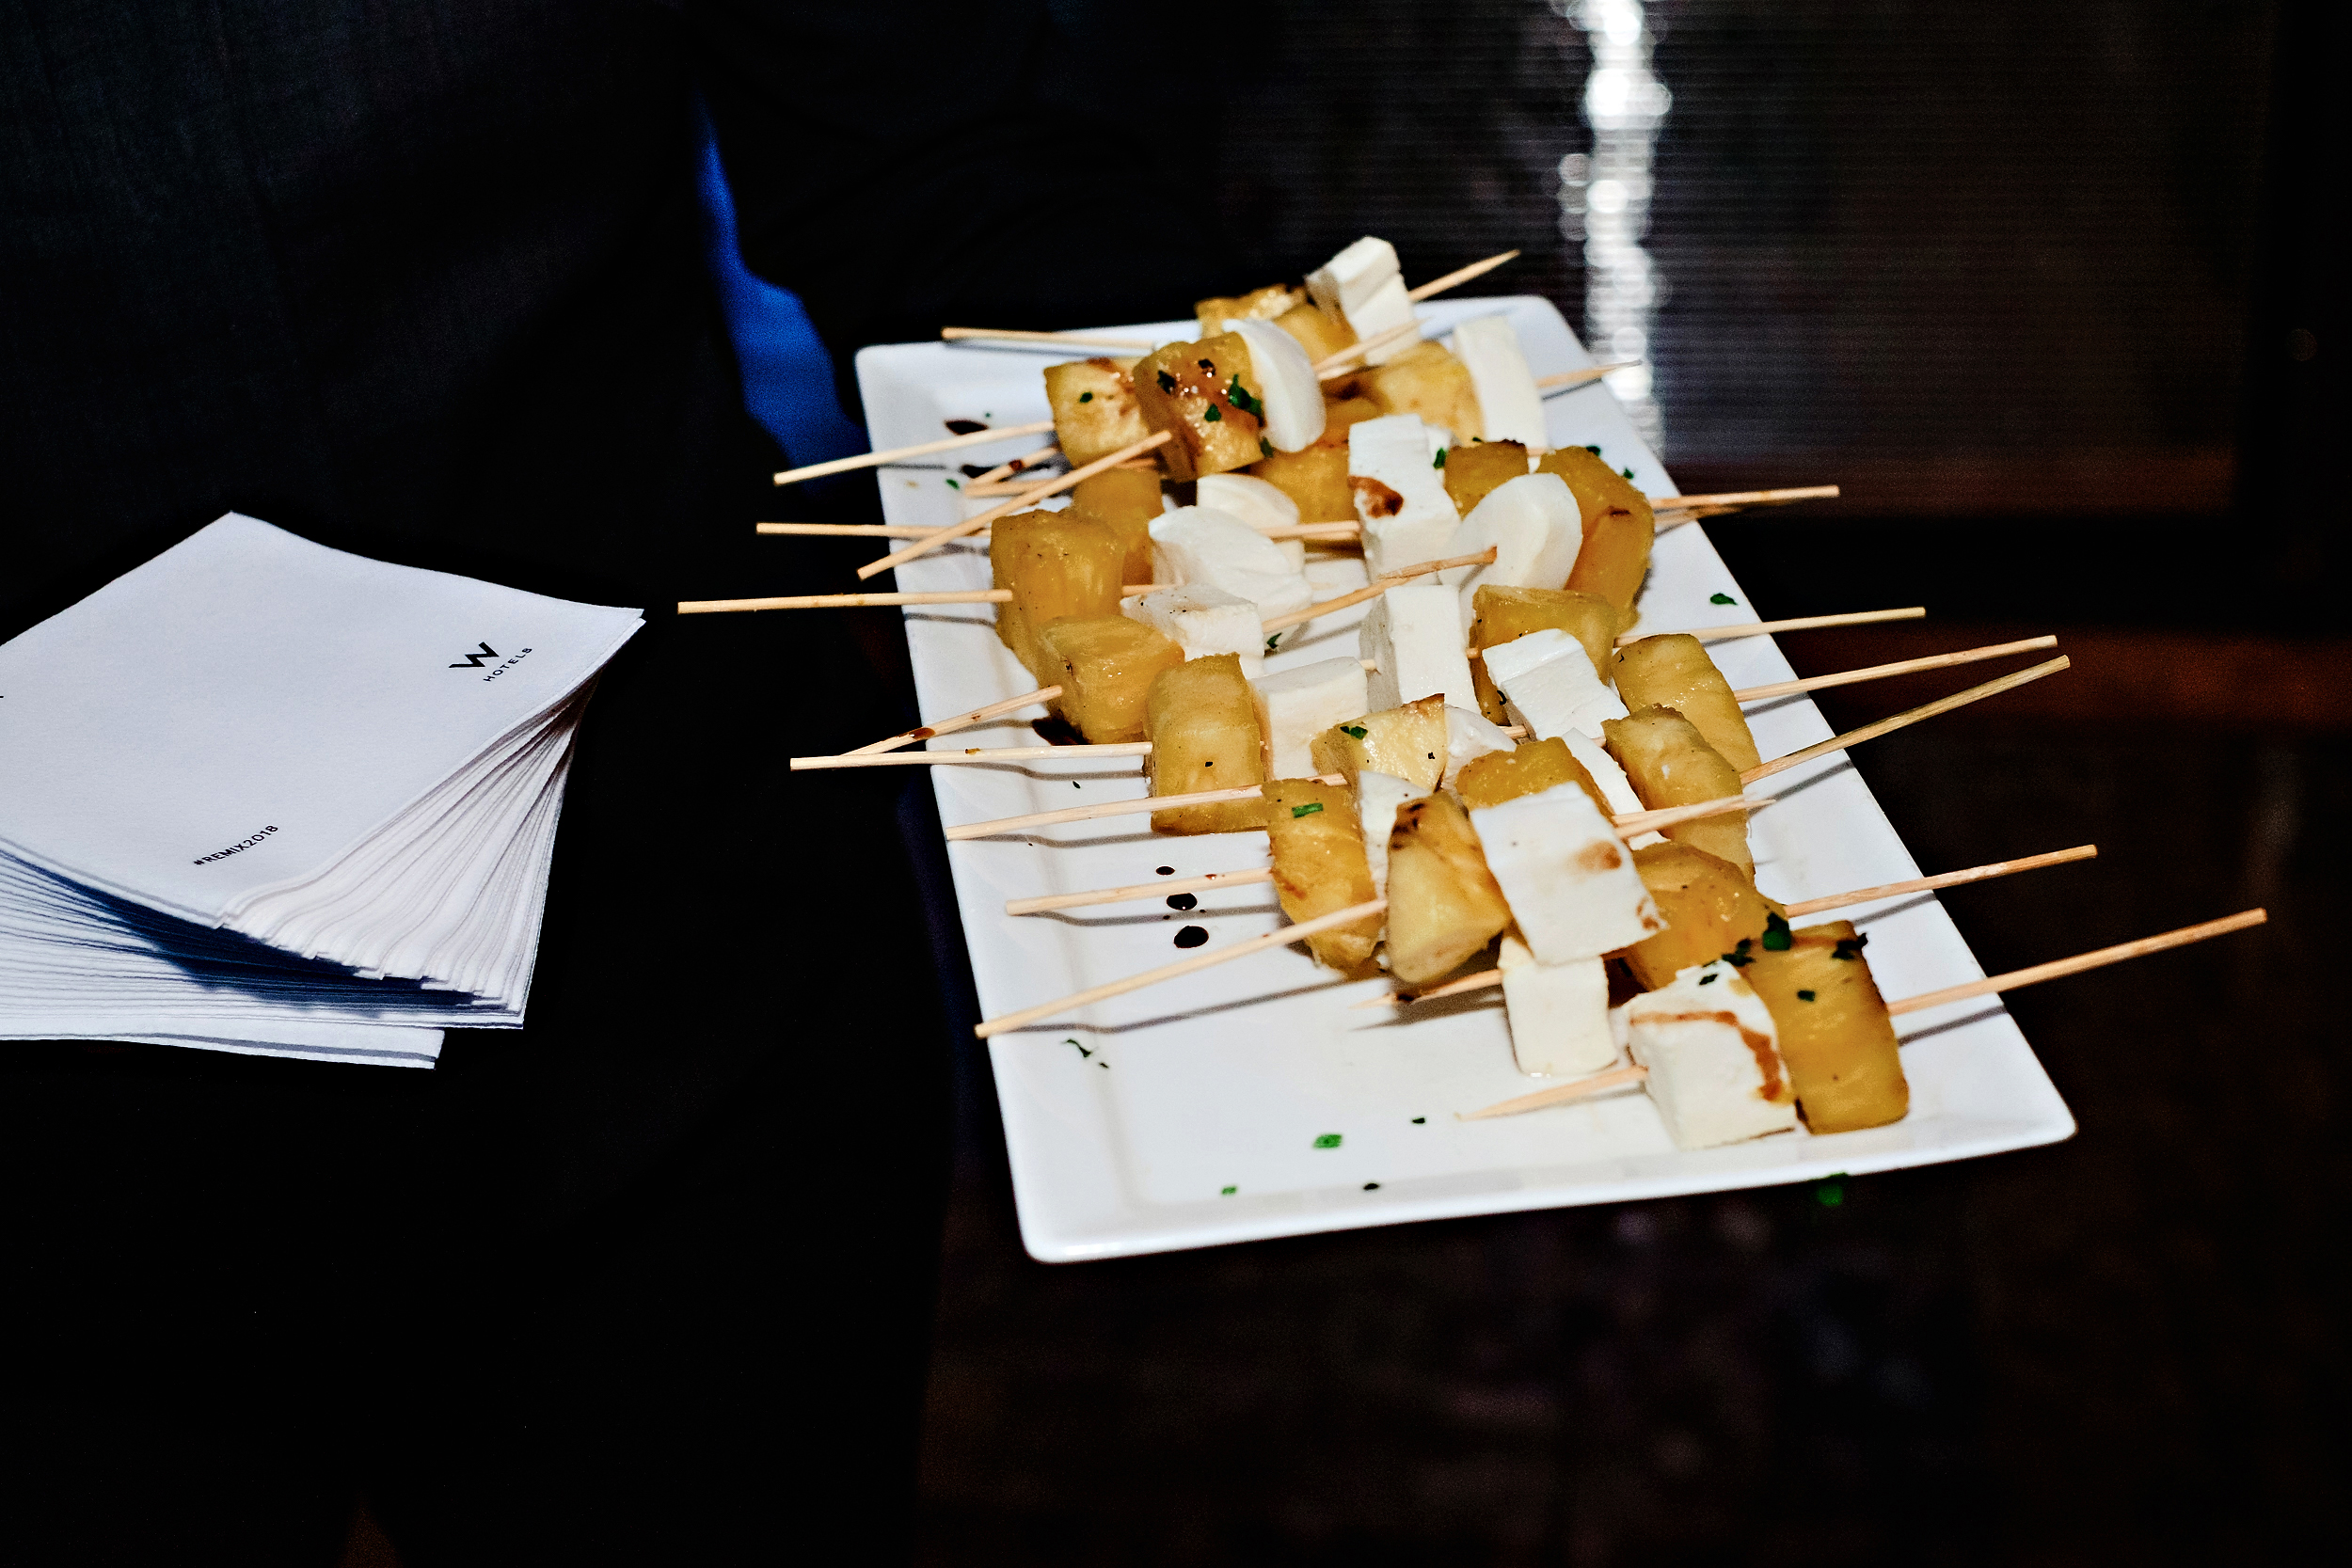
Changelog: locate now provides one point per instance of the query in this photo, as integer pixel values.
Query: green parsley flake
(1720, 598)
(1419, 1121)
(1308, 810)
(1086, 397)
(1805, 997)
(1212, 414)
(1594, 450)
(1326, 1140)
(1083, 1051)
(1849, 949)
(1627, 472)
(1265, 448)
(1439, 461)
(1740, 957)
(1356, 730)
(1776, 936)
(1829, 1195)
(1226, 1192)
(1238, 395)
(1271, 640)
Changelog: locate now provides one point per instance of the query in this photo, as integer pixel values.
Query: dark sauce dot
(1182, 901)
(1192, 936)
(1168, 871)
(1372, 1186)
(966, 427)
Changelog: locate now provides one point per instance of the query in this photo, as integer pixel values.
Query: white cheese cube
(1537, 529)
(1715, 1069)
(1559, 1013)
(1298, 704)
(1365, 286)
(1284, 379)
(1466, 735)
(1204, 620)
(1200, 545)
(1413, 636)
(1548, 678)
(1400, 494)
(1510, 404)
(1378, 798)
(1616, 788)
(1262, 506)
(1568, 878)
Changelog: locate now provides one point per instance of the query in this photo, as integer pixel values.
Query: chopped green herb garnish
(1265, 448)
(1226, 1192)
(1439, 461)
(1594, 450)
(1238, 395)
(953, 484)
(1167, 382)
(1805, 997)
(1627, 472)
(1720, 598)
(1326, 1140)
(1212, 414)
(1708, 979)
(1775, 933)
(1356, 730)
(1740, 957)
(1850, 947)
(1829, 1195)
(1086, 397)
(1308, 810)
(1083, 1051)
(1420, 1121)
(1271, 640)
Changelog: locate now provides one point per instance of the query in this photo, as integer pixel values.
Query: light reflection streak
(1605, 198)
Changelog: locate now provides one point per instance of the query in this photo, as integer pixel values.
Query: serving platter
(1252, 1099)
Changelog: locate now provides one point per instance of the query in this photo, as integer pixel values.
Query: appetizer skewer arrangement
(1513, 784)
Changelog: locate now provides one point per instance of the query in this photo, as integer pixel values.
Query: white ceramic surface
(1198, 1113)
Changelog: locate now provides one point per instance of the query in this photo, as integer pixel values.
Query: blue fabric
(787, 373)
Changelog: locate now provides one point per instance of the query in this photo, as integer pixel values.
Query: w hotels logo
(473, 661)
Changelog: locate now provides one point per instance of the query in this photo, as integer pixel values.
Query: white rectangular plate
(1204, 1112)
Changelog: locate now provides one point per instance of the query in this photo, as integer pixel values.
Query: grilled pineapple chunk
(1834, 1033)
(1669, 763)
(1320, 866)
(1264, 304)
(1318, 331)
(1127, 499)
(1407, 742)
(1203, 730)
(1503, 614)
(1531, 767)
(1710, 905)
(1444, 903)
(1618, 528)
(1095, 412)
(1673, 671)
(1107, 668)
(1059, 565)
(1316, 476)
(1196, 393)
(1426, 380)
(1474, 467)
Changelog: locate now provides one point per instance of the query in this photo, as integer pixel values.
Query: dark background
(2026, 281)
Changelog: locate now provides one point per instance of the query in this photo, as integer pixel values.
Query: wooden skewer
(852, 601)
(1801, 623)
(1018, 464)
(1139, 890)
(1910, 715)
(974, 755)
(2015, 979)
(1745, 498)
(2018, 979)
(1282, 938)
(961, 721)
(848, 530)
(1459, 276)
(923, 449)
(1489, 978)
(1901, 667)
(974, 524)
(1115, 808)
(1579, 378)
(1373, 590)
(961, 334)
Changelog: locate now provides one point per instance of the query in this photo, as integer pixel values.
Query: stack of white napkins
(263, 796)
